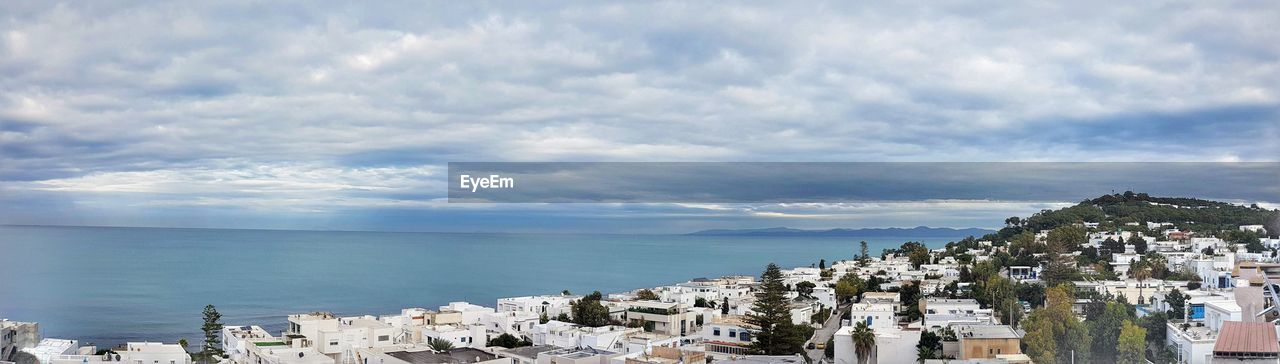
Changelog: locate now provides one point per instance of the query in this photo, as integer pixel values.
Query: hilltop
(916, 232)
(1129, 207)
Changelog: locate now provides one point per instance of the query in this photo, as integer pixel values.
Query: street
(821, 335)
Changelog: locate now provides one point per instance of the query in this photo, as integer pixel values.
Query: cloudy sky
(343, 116)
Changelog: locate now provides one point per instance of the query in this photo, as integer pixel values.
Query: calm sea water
(111, 285)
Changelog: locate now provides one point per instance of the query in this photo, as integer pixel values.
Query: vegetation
(771, 313)
(805, 289)
(588, 311)
(849, 286)
(929, 346)
(439, 345)
(1053, 332)
(864, 258)
(864, 339)
(1105, 327)
(646, 295)
(509, 341)
(1204, 215)
(212, 329)
(1132, 344)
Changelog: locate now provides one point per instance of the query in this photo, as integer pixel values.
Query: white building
(424, 355)
(134, 353)
(471, 314)
(333, 335)
(515, 323)
(236, 341)
(945, 312)
(16, 335)
(894, 345)
(876, 315)
(51, 348)
(727, 335)
(549, 305)
(1260, 229)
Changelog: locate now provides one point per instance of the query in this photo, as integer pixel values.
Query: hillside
(1117, 209)
(916, 232)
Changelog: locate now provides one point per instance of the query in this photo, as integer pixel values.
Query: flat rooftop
(529, 351)
(986, 332)
(454, 356)
(763, 359)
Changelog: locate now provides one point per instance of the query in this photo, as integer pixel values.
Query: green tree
(724, 306)
(505, 340)
(1132, 344)
(1139, 244)
(1105, 330)
(588, 311)
(1155, 324)
(865, 256)
(771, 313)
(910, 296)
(805, 289)
(439, 344)
(929, 346)
(183, 343)
(699, 302)
(1025, 244)
(1053, 332)
(646, 295)
(864, 339)
(1066, 238)
(1002, 296)
(918, 256)
(849, 286)
(1177, 303)
(212, 329)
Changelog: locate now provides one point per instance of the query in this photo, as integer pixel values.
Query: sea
(106, 286)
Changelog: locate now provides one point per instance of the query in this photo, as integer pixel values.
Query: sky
(286, 115)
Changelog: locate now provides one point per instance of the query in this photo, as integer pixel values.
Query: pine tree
(772, 314)
(212, 328)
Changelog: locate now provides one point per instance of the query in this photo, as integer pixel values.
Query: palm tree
(1140, 271)
(183, 344)
(440, 345)
(863, 340)
(924, 353)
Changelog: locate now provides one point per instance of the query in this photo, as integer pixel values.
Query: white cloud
(100, 97)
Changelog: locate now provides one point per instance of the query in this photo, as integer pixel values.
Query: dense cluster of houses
(1228, 309)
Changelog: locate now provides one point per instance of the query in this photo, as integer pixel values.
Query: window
(746, 336)
(733, 333)
(384, 337)
(333, 342)
(715, 331)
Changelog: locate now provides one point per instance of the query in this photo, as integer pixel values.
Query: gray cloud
(130, 96)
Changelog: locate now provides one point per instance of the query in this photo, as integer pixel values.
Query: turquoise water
(111, 285)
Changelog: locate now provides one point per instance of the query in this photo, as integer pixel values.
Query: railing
(656, 311)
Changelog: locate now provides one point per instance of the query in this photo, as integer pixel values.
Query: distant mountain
(915, 232)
